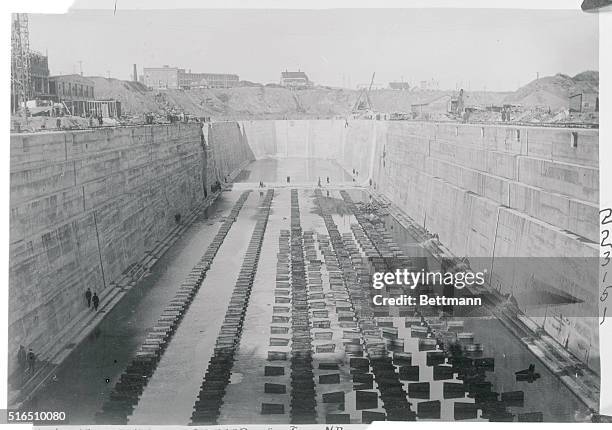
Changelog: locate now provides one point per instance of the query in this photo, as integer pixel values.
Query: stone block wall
(86, 205)
(503, 196)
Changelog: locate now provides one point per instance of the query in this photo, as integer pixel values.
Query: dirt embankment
(548, 96)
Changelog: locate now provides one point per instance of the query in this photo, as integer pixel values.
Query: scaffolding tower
(21, 84)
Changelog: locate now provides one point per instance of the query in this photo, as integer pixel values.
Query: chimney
(135, 74)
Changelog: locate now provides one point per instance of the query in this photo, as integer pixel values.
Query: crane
(20, 62)
(363, 102)
(371, 82)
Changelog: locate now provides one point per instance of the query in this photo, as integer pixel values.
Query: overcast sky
(493, 48)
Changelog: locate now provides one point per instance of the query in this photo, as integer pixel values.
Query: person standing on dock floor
(88, 297)
(31, 360)
(96, 301)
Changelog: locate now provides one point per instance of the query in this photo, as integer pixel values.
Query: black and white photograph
(285, 216)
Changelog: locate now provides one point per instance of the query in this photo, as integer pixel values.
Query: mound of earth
(273, 102)
(554, 91)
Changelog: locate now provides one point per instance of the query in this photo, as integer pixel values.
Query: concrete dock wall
(488, 192)
(519, 202)
(228, 150)
(87, 205)
(534, 170)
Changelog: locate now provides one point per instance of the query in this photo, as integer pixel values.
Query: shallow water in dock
(298, 169)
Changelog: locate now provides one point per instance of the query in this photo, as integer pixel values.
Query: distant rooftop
(294, 75)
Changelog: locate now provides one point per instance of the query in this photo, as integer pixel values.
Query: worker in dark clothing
(328, 179)
(31, 357)
(22, 358)
(96, 301)
(88, 297)
(288, 179)
(100, 120)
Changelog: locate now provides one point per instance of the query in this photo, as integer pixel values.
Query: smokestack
(135, 74)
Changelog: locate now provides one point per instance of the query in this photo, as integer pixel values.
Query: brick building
(207, 80)
(71, 87)
(77, 94)
(158, 78)
(167, 77)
